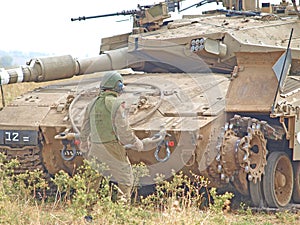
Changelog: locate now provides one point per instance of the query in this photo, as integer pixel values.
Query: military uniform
(106, 127)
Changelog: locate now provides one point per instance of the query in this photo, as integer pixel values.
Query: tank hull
(186, 115)
(239, 127)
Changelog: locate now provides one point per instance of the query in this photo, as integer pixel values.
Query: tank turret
(223, 86)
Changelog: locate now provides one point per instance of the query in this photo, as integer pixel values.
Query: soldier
(106, 130)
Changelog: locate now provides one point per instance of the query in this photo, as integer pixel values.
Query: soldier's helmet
(112, 80)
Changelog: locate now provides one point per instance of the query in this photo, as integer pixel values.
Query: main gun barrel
(61, 67)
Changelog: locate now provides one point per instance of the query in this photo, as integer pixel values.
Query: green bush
(179, 192)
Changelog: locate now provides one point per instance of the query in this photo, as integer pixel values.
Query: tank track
(234, 151)
(242, 151)
(29, 158)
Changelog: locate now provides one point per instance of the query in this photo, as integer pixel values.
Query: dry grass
(19, 213)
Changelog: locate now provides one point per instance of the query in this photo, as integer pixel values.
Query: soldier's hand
(152, 142)
(138, 145)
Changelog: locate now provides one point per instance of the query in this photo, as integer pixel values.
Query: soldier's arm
(123, 130)
(85, 127)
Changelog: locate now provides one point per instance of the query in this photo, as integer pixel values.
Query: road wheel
(278, 180)
(256, 193)
(296, 191)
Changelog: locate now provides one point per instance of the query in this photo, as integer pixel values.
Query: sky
(45, 26)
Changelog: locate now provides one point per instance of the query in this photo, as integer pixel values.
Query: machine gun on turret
(146, 17)
(124, 13)
(203, 2)
(238, 13)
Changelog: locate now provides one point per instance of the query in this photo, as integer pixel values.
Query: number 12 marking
(12, 136)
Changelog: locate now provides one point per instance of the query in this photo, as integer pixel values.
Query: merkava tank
(224, 88)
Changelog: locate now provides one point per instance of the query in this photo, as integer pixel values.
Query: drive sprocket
(243, 149)
(253, 154)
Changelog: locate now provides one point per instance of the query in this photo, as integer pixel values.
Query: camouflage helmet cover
(110, 80)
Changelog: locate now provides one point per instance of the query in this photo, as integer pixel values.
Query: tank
(224, 86)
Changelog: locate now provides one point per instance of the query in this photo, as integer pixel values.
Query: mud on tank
(214, 82)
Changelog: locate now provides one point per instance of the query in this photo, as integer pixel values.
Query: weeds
(180, 193)
(180, 200)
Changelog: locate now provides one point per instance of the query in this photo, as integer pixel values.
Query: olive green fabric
(98, 127)
(102, 130)
(112, 123)
(106, 127)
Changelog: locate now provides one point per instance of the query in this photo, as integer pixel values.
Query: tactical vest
(102, 113)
